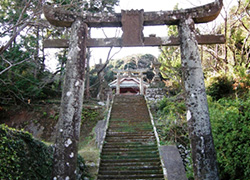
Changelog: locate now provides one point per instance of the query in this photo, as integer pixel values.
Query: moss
(23, 157)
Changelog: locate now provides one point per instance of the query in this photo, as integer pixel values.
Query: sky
(147, 5)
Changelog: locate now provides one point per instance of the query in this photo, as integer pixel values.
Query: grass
(89, 151)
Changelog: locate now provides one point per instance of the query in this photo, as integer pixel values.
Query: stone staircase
(130, 149)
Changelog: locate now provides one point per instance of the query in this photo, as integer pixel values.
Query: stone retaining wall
(155, 94)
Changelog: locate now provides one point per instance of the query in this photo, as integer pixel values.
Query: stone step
(120, 113)
(121, 134)
(131, 124)
(129, 156)
(122, 120)
(128, 130)
(131, 149)
(130, 160)
(130, 172)
(139, 127)
(126, 137)
(111, 140)
(131, 142)
(129, 152)
(128, 99)
(130, 136)
(138, 167)
(129, 146)
(132, 117)
(130, 164)
(127, 177)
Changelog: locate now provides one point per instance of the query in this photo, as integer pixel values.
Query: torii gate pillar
(68, 133)
(203, 152)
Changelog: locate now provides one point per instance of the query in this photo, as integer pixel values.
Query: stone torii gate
(132, 22)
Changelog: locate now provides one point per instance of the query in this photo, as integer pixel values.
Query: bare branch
(19, 26)
(190, 2)
(115, 53)
(243, 24)
(212, 52)
(108, 58)
(244, 46)
(12, 65)
(104, 33)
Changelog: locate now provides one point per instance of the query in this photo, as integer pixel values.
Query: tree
(22, 67)
(235, 53)
(229, 63)
(170, 59)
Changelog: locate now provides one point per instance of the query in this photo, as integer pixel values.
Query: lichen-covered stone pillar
(118, 83)
(68, 129)
(141, 84)
(203, 151)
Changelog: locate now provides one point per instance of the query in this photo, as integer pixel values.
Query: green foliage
(172, 125)
(30, 80)
(88, 6)
(242, 81)
(225, 85)
(9, 13)
(89, 114)
(230, 121)
(23, 157)
(220, 87)
(170, 60)
(109, 75)
(172, 129)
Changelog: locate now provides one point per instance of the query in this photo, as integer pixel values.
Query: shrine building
(129, 85)
(129, 82)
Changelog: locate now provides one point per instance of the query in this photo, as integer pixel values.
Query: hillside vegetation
(23, 157)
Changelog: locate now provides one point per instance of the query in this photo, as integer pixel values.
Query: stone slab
(100, 132)
(173, 163)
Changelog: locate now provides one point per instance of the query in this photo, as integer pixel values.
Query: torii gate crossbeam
(148, 41)
(132, 23)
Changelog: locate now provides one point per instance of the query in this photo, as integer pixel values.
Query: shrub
(172, 129)
(230, 121)
(172, 124)
(23, 157)
(220, 87)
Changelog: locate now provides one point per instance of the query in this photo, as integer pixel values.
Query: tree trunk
(59, 88)
(36, 54)
(203, 152)
(43, 53)
(87, 76)
(68, 132)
